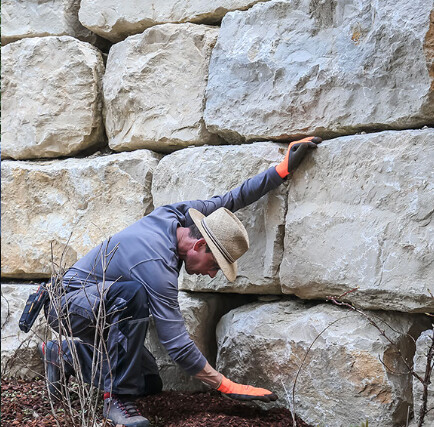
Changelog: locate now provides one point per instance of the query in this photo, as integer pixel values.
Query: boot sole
(113, 424)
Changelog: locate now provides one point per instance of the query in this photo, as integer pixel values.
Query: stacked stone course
(192, 99)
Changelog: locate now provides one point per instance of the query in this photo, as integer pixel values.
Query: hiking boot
(50, 354)
(121, 409)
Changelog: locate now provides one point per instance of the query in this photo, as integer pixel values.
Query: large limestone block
(115, 21)
(51, 97)
(200, 173)
(360, 215)
(286, 68)
(201, 314)
(423, 345)
(39, 18)
(154, 88)
(343, 381)
(45, 202)
(19, 351)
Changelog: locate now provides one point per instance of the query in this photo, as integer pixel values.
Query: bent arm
(163, 304)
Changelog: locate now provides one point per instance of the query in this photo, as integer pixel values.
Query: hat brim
(228, 269)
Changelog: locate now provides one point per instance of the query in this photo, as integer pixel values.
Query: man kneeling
(142, 278)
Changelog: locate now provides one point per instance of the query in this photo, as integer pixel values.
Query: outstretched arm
(256, 187)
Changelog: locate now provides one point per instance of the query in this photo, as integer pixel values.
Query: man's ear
(199, 244)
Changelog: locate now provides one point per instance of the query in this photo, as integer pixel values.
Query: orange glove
(296, 151)
(245, 392)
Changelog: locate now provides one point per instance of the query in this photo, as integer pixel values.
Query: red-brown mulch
(25, 403)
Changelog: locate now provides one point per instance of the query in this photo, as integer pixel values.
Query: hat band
(222, 249)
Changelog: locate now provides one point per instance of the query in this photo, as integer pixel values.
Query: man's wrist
(210, 376)
(282, 169)
(221, 382)
(224, 385)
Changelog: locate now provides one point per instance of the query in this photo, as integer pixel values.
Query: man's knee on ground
(153, 384)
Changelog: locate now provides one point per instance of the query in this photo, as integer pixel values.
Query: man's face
(198, 261)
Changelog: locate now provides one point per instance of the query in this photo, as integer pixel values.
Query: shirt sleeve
(164, 306)
(247, 193)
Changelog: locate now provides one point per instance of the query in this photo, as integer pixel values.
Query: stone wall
(423, 345)
(110, 111)
(343, 380)
(19, 353)
(25, 19)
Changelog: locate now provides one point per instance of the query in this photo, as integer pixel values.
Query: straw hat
(225, 235)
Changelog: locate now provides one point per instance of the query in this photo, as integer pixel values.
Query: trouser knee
(132, 297)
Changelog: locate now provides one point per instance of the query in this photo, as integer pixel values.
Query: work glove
(245, 392)
(296, 151)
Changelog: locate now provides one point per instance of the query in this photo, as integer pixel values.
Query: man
(141, 275)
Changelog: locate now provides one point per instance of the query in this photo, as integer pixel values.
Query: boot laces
(128, 407)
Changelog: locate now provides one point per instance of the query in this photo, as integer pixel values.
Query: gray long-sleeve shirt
(147, 253)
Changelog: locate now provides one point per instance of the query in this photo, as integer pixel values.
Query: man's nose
(212, 273)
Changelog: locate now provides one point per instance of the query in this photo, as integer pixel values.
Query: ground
(25, 403)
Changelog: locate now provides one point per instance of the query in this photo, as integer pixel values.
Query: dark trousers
(127, 367)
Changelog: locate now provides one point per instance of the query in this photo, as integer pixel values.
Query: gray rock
(200, 173)
(289, 68)
(154, 88)
(360, 215)
(19, 353)
(201, 314)
(115, 21)
(36, 18)
(51, 97)
(423, 344)
(342, 380)
(73, 204)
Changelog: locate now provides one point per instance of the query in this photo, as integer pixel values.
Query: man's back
(150, 239)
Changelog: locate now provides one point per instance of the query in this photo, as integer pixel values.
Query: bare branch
(304, 360)
(88, 394)
(426, 381)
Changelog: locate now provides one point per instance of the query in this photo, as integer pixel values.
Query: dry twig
(425, 380)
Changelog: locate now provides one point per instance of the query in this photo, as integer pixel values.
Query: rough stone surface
(423, 344)
(154, 88)
(36, 18)
(51, 97)
(360, 215)
(289, 68)
(19, 353)
(201, 314)
(200, 173)
(115, 21)
(92, 198)
(265, 344)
